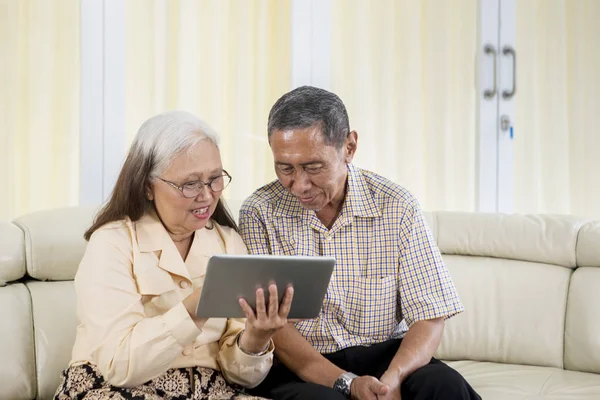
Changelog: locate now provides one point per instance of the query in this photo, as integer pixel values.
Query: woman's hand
(190, 303)
(263, 324)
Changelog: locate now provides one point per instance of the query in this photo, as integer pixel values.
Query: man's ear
(350, 146)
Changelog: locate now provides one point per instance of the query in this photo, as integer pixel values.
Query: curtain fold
(225, 61)
(406, 71)
(557, 127)
(39, 105)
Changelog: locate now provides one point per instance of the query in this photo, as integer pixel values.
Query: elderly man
(383, 315)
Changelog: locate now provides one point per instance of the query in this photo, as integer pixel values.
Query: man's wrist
(343, 383)
(398, 371)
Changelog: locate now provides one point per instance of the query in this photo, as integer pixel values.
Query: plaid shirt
(389, 272)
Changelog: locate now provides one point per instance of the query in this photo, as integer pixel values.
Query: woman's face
(182, 216)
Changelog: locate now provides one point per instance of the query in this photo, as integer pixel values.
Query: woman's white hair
(165, 135)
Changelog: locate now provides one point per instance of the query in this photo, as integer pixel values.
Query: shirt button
(186, 352)
(184, 284)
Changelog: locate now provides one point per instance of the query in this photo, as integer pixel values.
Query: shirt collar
(360, 201)
(151, 233)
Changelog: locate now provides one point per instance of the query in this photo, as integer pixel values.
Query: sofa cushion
(514, 312)
(54, 243)
(582, 331)
(538, 238)
(523, 382)
(588, 245)
(17, 369)
(53, 305)
(12, 253)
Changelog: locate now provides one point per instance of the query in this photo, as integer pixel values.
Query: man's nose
(301, 183)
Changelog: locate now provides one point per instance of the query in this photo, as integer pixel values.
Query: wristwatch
(343, 383)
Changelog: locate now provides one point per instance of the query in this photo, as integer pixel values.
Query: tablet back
(229, 277)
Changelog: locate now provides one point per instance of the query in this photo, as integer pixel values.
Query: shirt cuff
(181, 325)
(248, 360)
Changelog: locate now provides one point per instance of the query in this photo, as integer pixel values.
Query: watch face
(342, 386)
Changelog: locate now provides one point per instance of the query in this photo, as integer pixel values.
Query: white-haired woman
(140, 278)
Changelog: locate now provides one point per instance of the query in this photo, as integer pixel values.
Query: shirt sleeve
(254, 232)
(426, 288)
(128, 347)
(237, 366)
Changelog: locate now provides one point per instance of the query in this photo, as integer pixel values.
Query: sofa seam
(546, 382)
(33, 345)
(576, 244)
(24, 271)
(28, 247)
(580, 225)
(565, 319)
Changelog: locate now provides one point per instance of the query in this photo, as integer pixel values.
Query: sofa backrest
(54, 242)
(517, 276)
(16, 329)
(38, 317)
(582, 328)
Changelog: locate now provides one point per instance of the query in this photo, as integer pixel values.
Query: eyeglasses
(194, 188)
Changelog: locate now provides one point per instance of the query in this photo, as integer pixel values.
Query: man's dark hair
(308, 106)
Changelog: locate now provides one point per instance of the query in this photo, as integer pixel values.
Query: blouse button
(184, 284)
(186, 352)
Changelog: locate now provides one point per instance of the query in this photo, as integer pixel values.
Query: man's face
(310, 169)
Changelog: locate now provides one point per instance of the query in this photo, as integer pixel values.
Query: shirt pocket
(371, 305)
(156, 286)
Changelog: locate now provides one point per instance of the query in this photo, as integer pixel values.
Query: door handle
(508, 94)
(489, 94)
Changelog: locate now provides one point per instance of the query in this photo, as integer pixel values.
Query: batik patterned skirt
(85, 382)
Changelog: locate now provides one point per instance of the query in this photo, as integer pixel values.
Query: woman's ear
(148, 192)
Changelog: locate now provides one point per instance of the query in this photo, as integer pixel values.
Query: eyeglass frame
(204, 184)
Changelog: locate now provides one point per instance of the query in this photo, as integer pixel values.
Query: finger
(247, 309)
(378, 387)
(273, 300)
(286, 303)
(368, 395)
(260, 304)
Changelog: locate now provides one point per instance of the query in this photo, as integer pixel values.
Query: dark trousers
(435, 380)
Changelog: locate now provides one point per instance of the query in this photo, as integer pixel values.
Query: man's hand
(367, 388)
(392, 379)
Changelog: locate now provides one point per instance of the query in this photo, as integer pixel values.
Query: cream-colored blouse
(133, 324)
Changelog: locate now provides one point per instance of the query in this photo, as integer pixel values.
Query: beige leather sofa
(530, 285)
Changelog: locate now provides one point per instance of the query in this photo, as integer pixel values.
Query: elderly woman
(139, 281)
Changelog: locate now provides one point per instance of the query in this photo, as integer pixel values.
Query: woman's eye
(190, 185)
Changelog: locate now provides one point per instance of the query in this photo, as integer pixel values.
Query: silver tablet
(229, 277)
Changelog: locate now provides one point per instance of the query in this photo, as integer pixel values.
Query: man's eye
(312, 170)
(286, 170)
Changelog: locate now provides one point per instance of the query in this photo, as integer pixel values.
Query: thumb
(379, 388)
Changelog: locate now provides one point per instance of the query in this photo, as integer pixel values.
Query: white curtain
(406, 71)
(39, 105)
(225, 61)
(557, 127)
